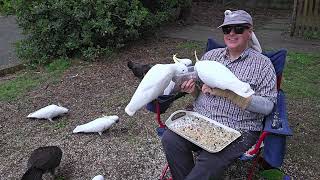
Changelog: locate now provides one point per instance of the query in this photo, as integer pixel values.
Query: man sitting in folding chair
(245, 60)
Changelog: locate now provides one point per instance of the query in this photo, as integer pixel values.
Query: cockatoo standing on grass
(153, 84)
(98, 125)
(48, 112)
(216, 75)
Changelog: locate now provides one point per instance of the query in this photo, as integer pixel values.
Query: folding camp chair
(276, 126)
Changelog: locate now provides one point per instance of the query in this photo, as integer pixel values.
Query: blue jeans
(207, 166)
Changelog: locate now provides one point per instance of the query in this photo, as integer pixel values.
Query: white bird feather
(171, 86)
(153, 85)
(227, 12)
(98, 177)
(48, 112)
(216, 75)
(98, 125)
(185, 61)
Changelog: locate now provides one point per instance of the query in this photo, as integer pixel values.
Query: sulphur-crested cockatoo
(98, 125)
(216, 75)
(153, 84)
(48, 112)
(171, 86)
(99, 177)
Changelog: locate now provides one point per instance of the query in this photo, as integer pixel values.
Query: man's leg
(211, 166)
(179, 154)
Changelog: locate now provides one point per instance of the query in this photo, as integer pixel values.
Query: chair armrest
(278, 116)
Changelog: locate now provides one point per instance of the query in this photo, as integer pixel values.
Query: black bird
(139, 70)
(42, 160)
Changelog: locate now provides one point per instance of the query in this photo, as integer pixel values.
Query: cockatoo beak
(175, 59)
(195, 54)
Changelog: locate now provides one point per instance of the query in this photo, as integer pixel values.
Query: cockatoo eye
(227, 12)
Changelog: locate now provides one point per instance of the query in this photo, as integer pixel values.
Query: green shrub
(6, 7)
(86, 28)
(312, 35)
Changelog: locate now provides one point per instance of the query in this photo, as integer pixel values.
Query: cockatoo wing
(152, 85)
(217, 75)
(93, 126)
(169, 88)
(97, 125)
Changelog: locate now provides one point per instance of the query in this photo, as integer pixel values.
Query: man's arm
(253, 103)
(260, 104)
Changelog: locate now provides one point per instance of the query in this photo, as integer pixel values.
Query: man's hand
(206, 89)
(214, 91)
(188, 86)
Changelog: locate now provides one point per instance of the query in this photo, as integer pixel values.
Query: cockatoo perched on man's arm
(216, 75)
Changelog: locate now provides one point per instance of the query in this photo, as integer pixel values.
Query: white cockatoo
(216, 75)
(171, 86)
(153, 84)
(98, 177)
(48, 112)
(98, 125)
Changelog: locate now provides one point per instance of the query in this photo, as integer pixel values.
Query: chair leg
(253, 167)
(164, 172)
(161, 125)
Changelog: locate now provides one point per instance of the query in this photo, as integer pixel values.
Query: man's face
(236, 37)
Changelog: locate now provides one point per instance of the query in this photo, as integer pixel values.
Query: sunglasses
(238, 29)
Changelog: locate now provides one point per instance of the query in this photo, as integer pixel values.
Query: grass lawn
(302, 76)
(29, 79)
